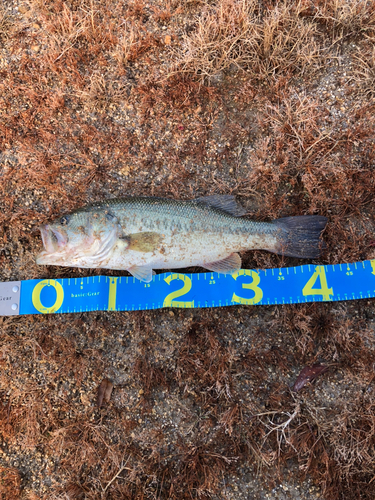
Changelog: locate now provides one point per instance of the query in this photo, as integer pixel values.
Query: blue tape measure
(289, 285)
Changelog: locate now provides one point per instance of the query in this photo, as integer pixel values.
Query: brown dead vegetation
(242, 35)
(272, 101)
(9, 483)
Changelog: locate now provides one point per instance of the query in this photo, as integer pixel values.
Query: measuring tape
(288, 285)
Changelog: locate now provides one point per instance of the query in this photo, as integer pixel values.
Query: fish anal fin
(225, 202)
(142, 273)
(143, 242)
(228, 265)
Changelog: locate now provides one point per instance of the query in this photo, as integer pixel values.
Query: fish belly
(180, 251)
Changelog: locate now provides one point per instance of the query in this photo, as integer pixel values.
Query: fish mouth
(84, 246)
(53, 239)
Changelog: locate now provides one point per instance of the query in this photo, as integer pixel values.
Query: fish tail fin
(300, 236)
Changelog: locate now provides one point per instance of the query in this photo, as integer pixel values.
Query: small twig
(117, 475)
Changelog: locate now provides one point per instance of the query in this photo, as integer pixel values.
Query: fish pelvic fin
(228, 265)
(142, 273)
(300, 236)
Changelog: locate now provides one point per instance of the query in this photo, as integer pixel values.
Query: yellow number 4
(324, 291)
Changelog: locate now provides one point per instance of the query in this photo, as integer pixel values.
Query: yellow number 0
(324, 291)
(249, 286)
(168, 301)
(36, 296)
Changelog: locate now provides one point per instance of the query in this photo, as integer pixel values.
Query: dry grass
(346, 19)
(272, 101)
(240, 35)
(364, 73)
(6, 23)
(9, 483)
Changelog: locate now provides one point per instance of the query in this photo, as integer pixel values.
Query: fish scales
(187, 218)
(196, 212)
(140, 234)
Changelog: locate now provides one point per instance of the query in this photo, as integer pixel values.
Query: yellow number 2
(324, 291)
(258, 292)
(168, 301)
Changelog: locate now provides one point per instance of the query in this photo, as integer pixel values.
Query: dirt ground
(272, 101)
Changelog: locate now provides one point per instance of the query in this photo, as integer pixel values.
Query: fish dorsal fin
(225, 202)
(228, 265)
(142, 273)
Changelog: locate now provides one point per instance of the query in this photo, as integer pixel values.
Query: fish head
(80, 239)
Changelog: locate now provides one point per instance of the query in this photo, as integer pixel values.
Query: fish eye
(64, 220)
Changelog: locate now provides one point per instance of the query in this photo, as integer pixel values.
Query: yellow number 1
(324, 291)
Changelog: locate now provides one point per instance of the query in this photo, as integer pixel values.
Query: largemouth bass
(141, 234)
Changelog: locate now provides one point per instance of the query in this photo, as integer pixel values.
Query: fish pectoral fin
(142, 273)
(228, 265)
(225, 202)
(144, 242)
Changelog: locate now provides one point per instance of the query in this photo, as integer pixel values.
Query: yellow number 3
(324, 291)
(249, 286)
